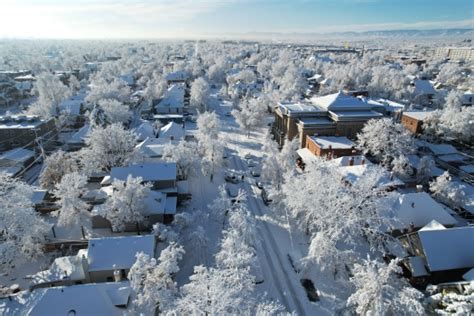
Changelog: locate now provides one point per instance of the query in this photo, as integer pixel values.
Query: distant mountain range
(467, 33)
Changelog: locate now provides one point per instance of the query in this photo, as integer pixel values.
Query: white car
(251, 163)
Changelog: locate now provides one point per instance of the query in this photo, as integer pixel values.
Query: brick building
(20, 130)
(413, 121)
(330, 146)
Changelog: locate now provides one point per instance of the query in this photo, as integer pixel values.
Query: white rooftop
(172, 131)
(17, 155)
(63, 268)
(420, 209)
(87, 299)
(162, 171)
(340, 102)
(104, 253)
(353, 173)
(418, 115)
(334, 142)
(448, 249)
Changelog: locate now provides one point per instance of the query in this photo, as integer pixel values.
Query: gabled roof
(448, 249)
(343, 102)
(63, 268)
(87, 299)
(172, 130)
(105, 253)
(420, 209)
(145, 130)
(160, 171)
(173, 97)
(354, 173)
(424, 87)
(179, 75)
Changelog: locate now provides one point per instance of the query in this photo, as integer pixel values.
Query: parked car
(311, 291)
(248, 156)
(251, 163)
(259, 184)
(225, 154)
(233, 178)
(255, 173)
(265, 198)
(232, 190)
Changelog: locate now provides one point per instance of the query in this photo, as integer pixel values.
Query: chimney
(351, 161)
(362, 162)
(419, 188)
(117, 274)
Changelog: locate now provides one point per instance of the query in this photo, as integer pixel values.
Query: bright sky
(189, 18)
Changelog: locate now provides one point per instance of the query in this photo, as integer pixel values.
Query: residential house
(413, 120)
(159, 208)
(180, 76)
(23, 130)
(172, 101)
(445, 254)
(109, 254)
(172, 131)
(86, 299)
(78, 139)
(162, 175)
(415, 210)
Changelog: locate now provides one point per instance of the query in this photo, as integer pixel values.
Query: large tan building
(337, 114)
(455, 53)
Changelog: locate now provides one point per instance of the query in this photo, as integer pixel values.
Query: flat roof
(418, 115)
(307, 121)
(20, 122)
(334, 142)
(104, 253)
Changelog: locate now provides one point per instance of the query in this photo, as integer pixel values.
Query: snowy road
(280, 280)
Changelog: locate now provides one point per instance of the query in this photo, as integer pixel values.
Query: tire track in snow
(269, 243)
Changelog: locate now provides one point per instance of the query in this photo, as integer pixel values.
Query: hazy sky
(189, 18)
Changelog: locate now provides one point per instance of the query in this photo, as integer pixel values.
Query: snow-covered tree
(55, 166)
(108, 89)
(249, 115)
(154, 88)
(336, 214)
(51, 92)
(380, 290)
(210, 144)
(385, 140)
(153, 286)
(214, 291)
(22, 231)
(115, 111)
(423, 170)
(200, 94)
(126, 204)
(184, 154)
(401, 167)
(108, 147)
(73, 210)
(448, 191)
(449, 302)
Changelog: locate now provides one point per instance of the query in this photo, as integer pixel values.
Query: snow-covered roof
(417, 266)
(72, 106)
(310, 121)
(353, 173)
(453, 157)
(172, 130)
(424, 87)
(173, 97)
(350, 115)
(63, 268)
(80, 136)
(17, 155)
(342, 102)
(145, 130)
(86, 299)
(306, 155)
(38, 196)
(20, 121)
(469, 275)
(448, 249)
(439, 149)
(391, 106)
(334, 142)
(419, 209)
(299, 108)
(160, 171)
(103, 254)
(418, 115)
(467, 168)
(180, 75)
(345, 161)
